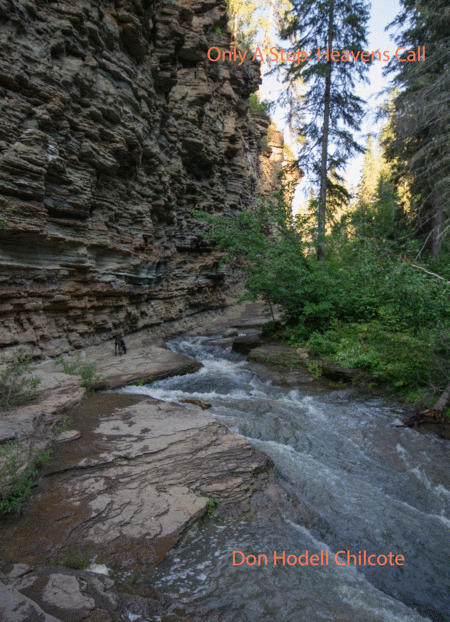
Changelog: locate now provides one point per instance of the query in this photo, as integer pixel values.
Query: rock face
(113, 126)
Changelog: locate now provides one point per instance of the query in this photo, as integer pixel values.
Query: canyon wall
(114, 125)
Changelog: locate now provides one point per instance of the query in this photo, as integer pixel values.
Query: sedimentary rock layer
(114, 125)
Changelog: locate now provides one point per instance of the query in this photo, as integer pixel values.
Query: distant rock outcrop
(113, 126)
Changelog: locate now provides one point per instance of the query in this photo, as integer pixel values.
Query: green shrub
(259, 106)
(76, 561)
(364, 307)
(211, 506)
(87, 372)
(89, 376)
(17, 384)
(16, 477)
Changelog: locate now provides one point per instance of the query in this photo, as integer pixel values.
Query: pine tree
(420, 140)
(373, 163)
(243, 23)
(377, 207)
(334, 111)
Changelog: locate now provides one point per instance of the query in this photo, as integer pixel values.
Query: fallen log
(426, 416)
(431, 415)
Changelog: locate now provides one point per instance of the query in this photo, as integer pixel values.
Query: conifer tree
(420, 142)
(377, 207)
(243, 22)
(334, 112)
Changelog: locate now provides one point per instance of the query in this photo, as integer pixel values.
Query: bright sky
(383, 12)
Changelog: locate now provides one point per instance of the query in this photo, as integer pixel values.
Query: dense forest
(362, 276)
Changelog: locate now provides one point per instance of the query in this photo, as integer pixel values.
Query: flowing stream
(351, 481)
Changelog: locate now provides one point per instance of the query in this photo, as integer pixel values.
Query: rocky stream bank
(128, 476)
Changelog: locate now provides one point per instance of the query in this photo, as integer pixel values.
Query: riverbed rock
(30, 429)
(285, 366)
(68, 435)
(131, 485)
(142, 364)
(303, 352)
(15, 607)
(59, 594)
(335, 372)
(231, 332)
(196, 402)
(245, 343)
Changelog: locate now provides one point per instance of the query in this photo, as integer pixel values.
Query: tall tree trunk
(443, 400)
(436, 234)
(291, 117)
(235, 28)
(266, 40)
(321, 212)
(268, 27)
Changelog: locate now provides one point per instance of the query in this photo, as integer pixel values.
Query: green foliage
(397, 358)
(365, 306)
(17, 384)
(419, 143)
(136, 579)
(87, 372)
(89, 376)
(218, 30)
(69, 367)
(259, 106)
(16, 477)
(211, 506)
(314, 368)
(76, 561)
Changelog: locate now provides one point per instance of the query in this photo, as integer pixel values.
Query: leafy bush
(17, 385)
(364, 307)
(259, 106)
(211, 506)
(77, 561)
(89, 376)
(86, 371)
(16, 477)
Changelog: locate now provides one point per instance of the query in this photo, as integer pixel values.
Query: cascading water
(353, 482)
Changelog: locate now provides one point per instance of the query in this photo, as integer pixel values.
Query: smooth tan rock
(127, 489)
(68, 435)
(31, 427)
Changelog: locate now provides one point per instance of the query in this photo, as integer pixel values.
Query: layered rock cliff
(113, 126)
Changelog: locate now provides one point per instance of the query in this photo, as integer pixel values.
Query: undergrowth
(17, 384)
(87, 372)
(367, 306)
(17, 476)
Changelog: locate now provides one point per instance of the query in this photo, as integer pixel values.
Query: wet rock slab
(144, 362)
(31, 427)
(125, 491)
(286, 365)
(30, 594)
